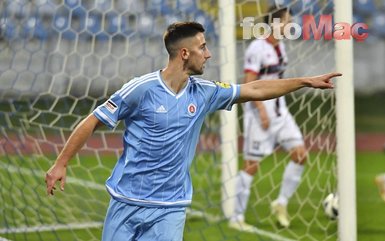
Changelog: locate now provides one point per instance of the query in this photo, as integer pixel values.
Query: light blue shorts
(128, 222)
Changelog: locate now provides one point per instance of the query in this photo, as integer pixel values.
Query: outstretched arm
(75, 142)
(269, 89)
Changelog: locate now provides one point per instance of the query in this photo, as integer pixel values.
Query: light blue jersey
(162, 130)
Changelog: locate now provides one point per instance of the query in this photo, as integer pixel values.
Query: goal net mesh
(60, 59)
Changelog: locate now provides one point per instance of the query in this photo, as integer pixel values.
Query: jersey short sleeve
(223, 97)
(122, 104)
(253, 59)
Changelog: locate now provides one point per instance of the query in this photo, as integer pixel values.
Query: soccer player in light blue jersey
(163, 112)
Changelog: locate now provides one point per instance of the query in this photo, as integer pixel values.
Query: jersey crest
(191, 109)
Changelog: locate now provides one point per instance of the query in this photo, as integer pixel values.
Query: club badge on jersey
(192, 109)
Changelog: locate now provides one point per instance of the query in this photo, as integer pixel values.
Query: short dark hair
(275, 12)
(178, 31)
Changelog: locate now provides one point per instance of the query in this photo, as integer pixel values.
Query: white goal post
(347, 223)
(228, 131)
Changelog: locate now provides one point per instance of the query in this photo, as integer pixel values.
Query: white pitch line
(4, 239)
(213, 218)
(46, 228)
(191, 212)
(72, 226)
(34, 172)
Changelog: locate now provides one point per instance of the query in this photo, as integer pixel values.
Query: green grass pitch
(78, 204)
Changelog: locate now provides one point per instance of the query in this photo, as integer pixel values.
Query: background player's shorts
(127, 222)
(259, 142)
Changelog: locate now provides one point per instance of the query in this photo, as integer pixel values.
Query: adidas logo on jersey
(161, 109)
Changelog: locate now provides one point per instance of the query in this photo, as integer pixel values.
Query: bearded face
(197, 56)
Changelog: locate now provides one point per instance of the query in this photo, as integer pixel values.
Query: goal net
(60, 59)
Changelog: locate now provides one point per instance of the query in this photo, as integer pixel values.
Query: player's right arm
(119, 106)
(75, 142)
(265, 122)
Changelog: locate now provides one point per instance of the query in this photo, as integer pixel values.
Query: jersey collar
(161, 81)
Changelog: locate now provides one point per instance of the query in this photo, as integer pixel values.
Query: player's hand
(263, 117)
(323, 81)
(265, 122)
(56, 173)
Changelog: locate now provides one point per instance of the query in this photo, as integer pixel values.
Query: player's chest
(162, 111)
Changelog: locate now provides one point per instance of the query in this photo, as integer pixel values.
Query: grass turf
(25, 203)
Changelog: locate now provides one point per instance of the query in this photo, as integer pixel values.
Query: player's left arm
(269, 89)
(75, 142)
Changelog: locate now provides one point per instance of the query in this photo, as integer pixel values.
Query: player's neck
(273, 41)
(174, 77)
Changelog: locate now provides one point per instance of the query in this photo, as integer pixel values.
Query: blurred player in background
(163, 112)
(267, 123)
(380, 181)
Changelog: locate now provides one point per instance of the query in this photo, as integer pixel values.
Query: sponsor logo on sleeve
(222, 84)
(111, 106)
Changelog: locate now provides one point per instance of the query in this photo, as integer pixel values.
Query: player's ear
(184, 52)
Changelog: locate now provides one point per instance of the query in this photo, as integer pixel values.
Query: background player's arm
(270, 89)
(249, 77)
(75, 142)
